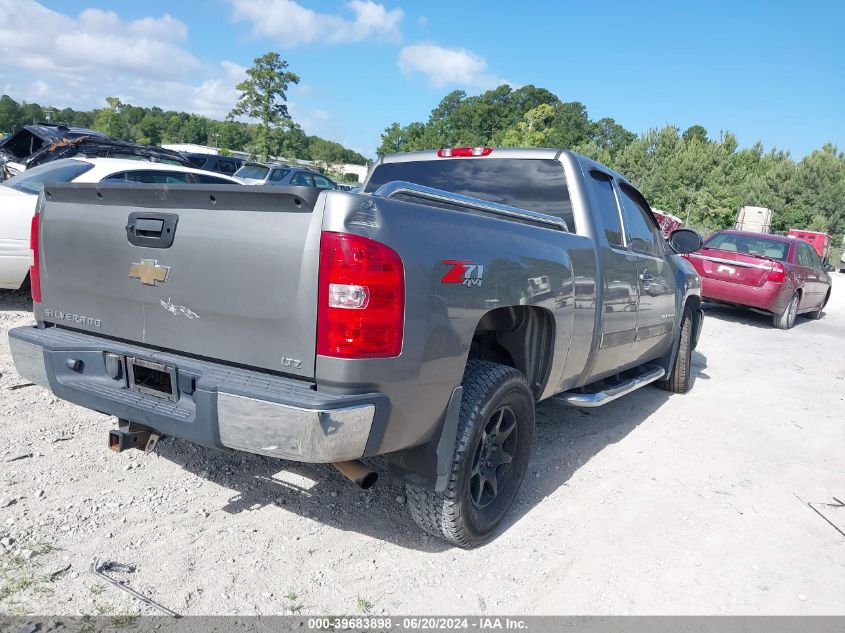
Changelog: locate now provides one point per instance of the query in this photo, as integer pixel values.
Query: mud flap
(428, 465)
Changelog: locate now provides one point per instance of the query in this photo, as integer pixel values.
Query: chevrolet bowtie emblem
(149, 272)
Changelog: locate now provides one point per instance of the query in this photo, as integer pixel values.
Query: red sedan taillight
(361, 310)
(34, 269)
(777, 273)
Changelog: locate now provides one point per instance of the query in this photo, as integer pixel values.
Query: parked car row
(283, 176)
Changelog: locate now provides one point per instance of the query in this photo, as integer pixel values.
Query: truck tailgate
(238, 283)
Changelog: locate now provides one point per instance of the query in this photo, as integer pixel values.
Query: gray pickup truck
(421, 319)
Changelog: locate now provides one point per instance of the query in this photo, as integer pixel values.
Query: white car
(19, 195)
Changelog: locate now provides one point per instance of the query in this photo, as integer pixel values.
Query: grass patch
(97, 589)
(10, 585)
(16, 575)
(364, 605)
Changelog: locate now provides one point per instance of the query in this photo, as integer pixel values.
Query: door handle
(154, 230)
(147, 227)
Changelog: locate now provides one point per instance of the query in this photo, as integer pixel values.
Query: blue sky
(771, 71)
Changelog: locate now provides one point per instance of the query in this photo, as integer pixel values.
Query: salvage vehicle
(16, 149)
(19, 195)
(781, 276)
(38, 144)
(326, 326)
(283, 176)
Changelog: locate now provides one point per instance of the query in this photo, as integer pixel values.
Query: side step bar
(599, 398)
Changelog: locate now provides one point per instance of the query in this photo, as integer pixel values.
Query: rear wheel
(493, 446)
(817, 314)
(787, 319)
(679, 380)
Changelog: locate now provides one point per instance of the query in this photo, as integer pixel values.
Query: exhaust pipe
(357, 472)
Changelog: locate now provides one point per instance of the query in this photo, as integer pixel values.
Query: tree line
(701, 179)
(154, 126)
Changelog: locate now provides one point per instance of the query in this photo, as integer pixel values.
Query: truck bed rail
(399, 187)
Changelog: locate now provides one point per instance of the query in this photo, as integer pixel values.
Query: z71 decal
(463, 272)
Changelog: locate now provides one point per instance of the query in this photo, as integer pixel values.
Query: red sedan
(780, 275)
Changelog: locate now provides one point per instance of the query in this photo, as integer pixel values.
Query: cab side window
(608, 208)
(640, 228)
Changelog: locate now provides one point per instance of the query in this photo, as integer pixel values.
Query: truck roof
(551, 153)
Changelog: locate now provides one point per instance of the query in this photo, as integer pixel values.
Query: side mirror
(685, 241)
(828, 267)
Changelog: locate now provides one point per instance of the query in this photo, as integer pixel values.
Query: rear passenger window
(323, 183)
(151, 177)
(301, 179)
(608, 208)
(640, 228)
(277, 174)
(227, 166)
(203, 179)
(805, 256)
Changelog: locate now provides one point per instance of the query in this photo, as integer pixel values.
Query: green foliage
(154, 126)
(264, 97)
(704, 181)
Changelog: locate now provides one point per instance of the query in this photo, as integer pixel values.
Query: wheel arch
(521, 337)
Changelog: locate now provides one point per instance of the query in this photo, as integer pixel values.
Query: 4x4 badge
(149, 272)
(463, 272)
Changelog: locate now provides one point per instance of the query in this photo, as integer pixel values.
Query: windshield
(532, 184)
(32, 180)
(749, 245)
(259, 172)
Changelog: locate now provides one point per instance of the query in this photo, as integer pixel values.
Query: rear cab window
(537, 185)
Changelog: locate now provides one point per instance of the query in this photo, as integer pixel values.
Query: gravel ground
(654, 504)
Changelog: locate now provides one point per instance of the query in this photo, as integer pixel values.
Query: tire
(818, 314)
(786, 320)
(679, 379)
(495, 398)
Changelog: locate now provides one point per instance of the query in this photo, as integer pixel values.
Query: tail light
(361, 312)
(35, 269)
(777, 273)
(463, 151)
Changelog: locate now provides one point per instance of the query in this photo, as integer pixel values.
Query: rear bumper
(217, 405)
(770, 296)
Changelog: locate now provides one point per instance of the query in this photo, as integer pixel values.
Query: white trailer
(757, 219)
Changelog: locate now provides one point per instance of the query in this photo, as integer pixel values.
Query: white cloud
(290, 24)
(447, 66)
(36, 38)
(61, 60)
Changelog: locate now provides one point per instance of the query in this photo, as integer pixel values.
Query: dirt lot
(653, 504)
